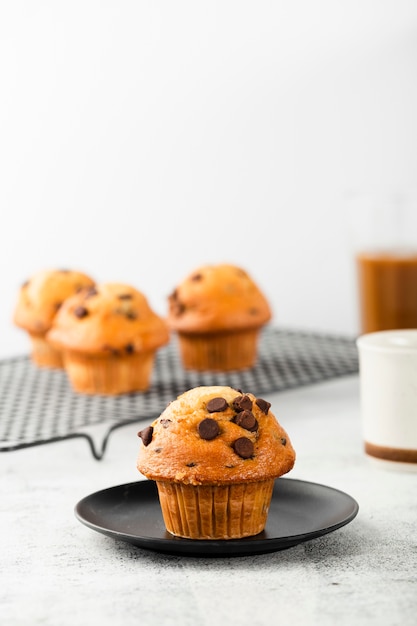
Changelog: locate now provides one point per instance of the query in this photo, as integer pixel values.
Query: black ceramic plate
(299, 511)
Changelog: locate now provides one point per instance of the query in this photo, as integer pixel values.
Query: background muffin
(39, 300)
(108, 335)
(214, 454)
(218, 312)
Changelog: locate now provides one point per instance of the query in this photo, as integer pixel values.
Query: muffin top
(215, 298)
(42, 295)
(215, 435)
(108, 319)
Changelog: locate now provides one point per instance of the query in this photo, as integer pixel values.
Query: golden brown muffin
(108, 336)
(39, 299)
(214, 454)
(218, 312)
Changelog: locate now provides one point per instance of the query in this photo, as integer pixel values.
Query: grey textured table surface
(55, 571)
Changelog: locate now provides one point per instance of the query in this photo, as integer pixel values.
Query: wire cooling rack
(38, 406)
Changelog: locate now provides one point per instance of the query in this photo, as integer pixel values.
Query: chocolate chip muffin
(39, 300)
(217, 313)
(109, 336)
(215, 453)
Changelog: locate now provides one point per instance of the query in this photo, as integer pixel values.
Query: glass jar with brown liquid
(385, 232)
(387, 290)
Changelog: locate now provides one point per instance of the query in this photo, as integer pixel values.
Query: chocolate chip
(130, 348)
(253, 311)
(146, 435)
(215, 405)
(80, 311)
(125, 296)
(57, 305)
(177, 308)
(131, 315)
(243, 447)
(90, 292)
(263, 405)
(247, 420)
(192, 464)
(196, 277)
(242, 403)
(208, 429)
(283, 441)
(165, 422)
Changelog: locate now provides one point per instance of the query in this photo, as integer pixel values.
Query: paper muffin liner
(223, 351)
(43, 354)
(110, 375)
(228, 511)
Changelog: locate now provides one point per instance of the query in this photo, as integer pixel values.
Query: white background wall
(140, 139)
